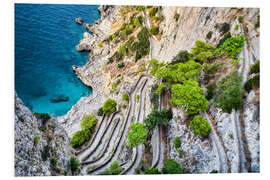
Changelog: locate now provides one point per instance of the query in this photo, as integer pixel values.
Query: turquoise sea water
(46, 36)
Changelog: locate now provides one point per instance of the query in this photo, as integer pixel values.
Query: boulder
(59, 98)
(79, 21)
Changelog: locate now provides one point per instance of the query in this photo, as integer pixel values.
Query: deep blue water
(46, 36)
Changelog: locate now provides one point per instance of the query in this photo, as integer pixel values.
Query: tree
(171, 167)
(200, 126)
(88, 122)
(229, 94)
(79, 138)
(74, 165)
(189, 96)
(255, 68)
(109, 106)
(177, 142)
(156, 118)
(203, 51)
(155, 65)
(181, 57)
(137, 135)
(115, 169)
(125, 97)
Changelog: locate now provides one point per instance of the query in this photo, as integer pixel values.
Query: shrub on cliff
(154, 30)
(154, 97)
(189, 96)
(251, 83)
(171, 167)
(88, 122)
(74, 165)
(153, 11)
(181, 57)
(203, 51)
(156, 118)
(137, 135)
(100, 112)
(177, 142)
(114, 169)
(36, 140)
(255, 68)
(109, 106)
(44, 117)
(229, 94)
(152, 171)
(200, 126)
(125, 97)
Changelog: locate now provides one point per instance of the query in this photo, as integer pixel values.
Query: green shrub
(36, 140)
(224, 27)
(152, 171)
(229, 94)
(224, 38)
(144, 43)
(211, 91)
(230, 136)
(176, 16)
(177, 142)
(189, 96)
(154, 97)
(121, 65)
(53, 163)
(99, 44)
(74, 165)
(154, 30)
(179, 151)
(122, 50)
(181, 57)
(209, 35)
(88, 122)
(203, 51)
(214, 171)
(251, 83)
(171, 167)
(45, 153)
(79, 138)
(200, 126)
(240, 19)
(44, 117)
(257, 25)
(156, 118)
(109, 106)
(137, 97)
(153, 11)
(125, 97)
(100, 112)
(236, 27)
(110, 60)
(255, 68)
(232, 46)
(137, 135)
(115, 169)
(211, 69)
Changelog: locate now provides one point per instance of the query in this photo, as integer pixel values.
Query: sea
(46, 36)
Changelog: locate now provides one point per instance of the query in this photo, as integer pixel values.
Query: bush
(200, 126)
(53, 163)
(115, 169)
(74, 165)
(211, 69)
(240, 19)
(45, 153)
(44, 117)
(144, 43)
(137, 135)
(79, 138)
(153, 11)
(137, 97)
(156, 118)
(171, 167)
(236, 27)
(251, 83)
(214, 171)
(100, 112)
(224, 28)
(255, 68)
(229, 94)
(154, 97)
(181, 57)
(203, 51)
(257, 25)
(122, 50)
(99, 44)
(225, 37)
(176, 16)
(232, 46)
(209, 35)
(109, 106)
(189, 96)
(154, 30)
(110, 60)
(36, 140)
(121, 65)
(88, 122)
(152, 171)
(177, 142)
(125, 97)
(211, 91)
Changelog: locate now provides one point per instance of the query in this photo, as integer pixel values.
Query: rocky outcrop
(79, 21)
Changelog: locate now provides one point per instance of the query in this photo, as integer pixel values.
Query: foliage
(144, 43)
(154, 97)
(110, 60)
(189, 96)
(257, 25)
(36, 140)
(255, 68)
(179, 151)
(74, 165)
(155, 65)
(211, 69)
(121, 65)
(122, 50)
(177, 142)
(232, 46)
(125, 97)
(156, 118)
(224, 27)
(230, 136)
(45, 153)
(88, 122)
(209, 35)
(214, 171)
(99, 44)
(171, 167)
(109, 106)
(114, 169)
(161, 86)
(153, 11)
(200, 126)
(179, 72)
(44, 117)
(152, 171)
(211, 91)
(154, 30)
(137, 135)
(182, 57)
(176, 16)
(240, 19)
(236, 27)
(251, 83)
(100, 112)
(53, 163)
(203, 51)
(224, 38)
(137, 97)
(229, 94)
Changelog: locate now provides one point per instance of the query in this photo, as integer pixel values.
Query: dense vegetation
(114, 169)
(152, 171)
(203, 51)
(255, 68)
(171, 167)
(251, 83)
(154, 97)
(137, 135)
(181, 57)
(109, 106)
(156, 118)
(74, 165)
(125, 97)
(189, 96)
(88, 124)
(200, 126)
(229, 94)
